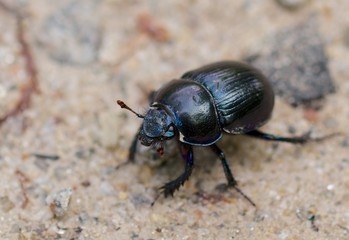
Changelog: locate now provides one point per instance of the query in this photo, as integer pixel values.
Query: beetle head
(157, 127)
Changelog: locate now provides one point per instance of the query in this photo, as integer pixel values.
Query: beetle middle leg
(187, 154)
(294, 140)
(228, 174)
(133, 147)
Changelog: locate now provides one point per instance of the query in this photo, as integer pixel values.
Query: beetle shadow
(171, 165)
(245, 151)
(208, 172)
(236, 149)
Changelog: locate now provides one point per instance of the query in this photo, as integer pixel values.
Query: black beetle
(227, 96)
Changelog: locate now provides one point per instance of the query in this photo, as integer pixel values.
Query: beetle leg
(294, 140)
(230, 178)
(133, 147)
(187, 154)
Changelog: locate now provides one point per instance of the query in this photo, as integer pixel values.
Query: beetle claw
(169, 188)
(243, 195)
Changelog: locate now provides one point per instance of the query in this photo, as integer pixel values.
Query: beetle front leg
(187, 154)
(133, 147)
(294, 140)
(230, 178)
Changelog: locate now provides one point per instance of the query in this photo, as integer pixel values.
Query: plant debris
(23, 179)
(149, 26)
(30, 67)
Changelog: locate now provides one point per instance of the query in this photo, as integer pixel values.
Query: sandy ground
(58, 157)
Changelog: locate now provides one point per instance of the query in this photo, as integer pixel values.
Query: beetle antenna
(123, 105)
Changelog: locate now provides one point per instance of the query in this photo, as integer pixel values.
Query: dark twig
(46, 157)
(30, 67)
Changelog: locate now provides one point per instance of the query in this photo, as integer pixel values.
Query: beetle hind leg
(294, 140)
(187, 154)
(228, 174)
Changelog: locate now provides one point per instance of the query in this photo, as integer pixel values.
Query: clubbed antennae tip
(123, 105)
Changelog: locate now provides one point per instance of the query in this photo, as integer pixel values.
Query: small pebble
(59, 202)
(298, 72)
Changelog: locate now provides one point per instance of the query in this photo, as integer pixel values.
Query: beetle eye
(169, 132)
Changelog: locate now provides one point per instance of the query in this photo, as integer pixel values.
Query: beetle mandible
(223, 97)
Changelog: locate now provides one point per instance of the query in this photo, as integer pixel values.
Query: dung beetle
(223, 97)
